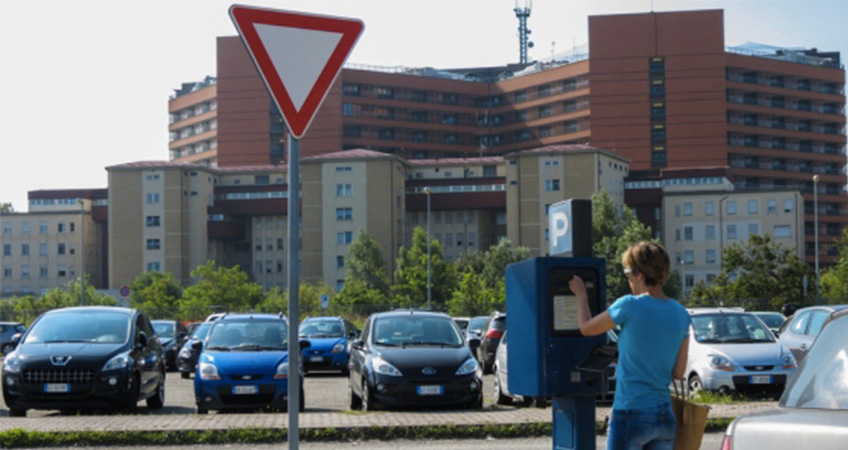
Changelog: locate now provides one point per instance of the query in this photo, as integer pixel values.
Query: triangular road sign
(298, 56)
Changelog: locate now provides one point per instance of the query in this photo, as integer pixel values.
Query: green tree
(833, 283)
(497, 257)
(156, 293)
(308, 300)
(229, 289)
(357, 296)
(365, 263)
(410, 287)
(613, 230)
(471, 298)
(6, 207)
(70, 296)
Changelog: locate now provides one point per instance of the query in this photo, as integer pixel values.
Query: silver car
(813, 411)
(799, 332)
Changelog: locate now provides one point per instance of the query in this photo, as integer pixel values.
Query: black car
(85, 357)
(187, 358)
(412, 358)
(172, 335)
(489, 340)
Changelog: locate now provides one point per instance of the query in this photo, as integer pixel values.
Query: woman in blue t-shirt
(653, 345)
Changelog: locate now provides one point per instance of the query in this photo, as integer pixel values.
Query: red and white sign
(298, 55)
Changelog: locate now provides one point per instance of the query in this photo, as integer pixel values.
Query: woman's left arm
(589, 326)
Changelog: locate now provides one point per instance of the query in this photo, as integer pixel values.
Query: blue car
(329, 339)
(244, 364)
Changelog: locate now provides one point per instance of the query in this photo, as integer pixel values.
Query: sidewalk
(317, 420)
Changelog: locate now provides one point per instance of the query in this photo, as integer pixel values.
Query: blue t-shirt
(652, 331)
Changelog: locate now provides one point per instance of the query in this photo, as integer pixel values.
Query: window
(42, 272)
(60, 227)
(676, 210)
(545, 111)
(753, 228)
(262, 180)
(551, 185)
(7, 249)
(24, 249)
(152, 199)
(709, 209)
(340, 262)
(687, 233)
(154, 266)
(42, 249)
(731, 207)
(690, 281)
(24, 227)
(269, 244)
(551, 163)
(61, 248)
(709, 233)
(687, 209)
(771, 207)
(152, 221)
(344, 190)
(61, 271)
(71, 249)
(42, 227)
(731, 231)
(689, 257)
(71, 226)
(449, 239)
(787, 205)
(7, 272)
(711, 256)
(279, 243)
(344, 213)
(7, 227)
(782, 231)
(154, 244)
(152, 177)
(677, 234)
(344, 237)
(753, 207)
(258, 245)
(347, 109)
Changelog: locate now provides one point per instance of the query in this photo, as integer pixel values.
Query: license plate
(245, 390)
(431, 390)
(761, 379)
(55, 388)
(316, 359)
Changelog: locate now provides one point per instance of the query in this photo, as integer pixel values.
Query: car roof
(251, 316)
(410, 312)
(127, 311)
(720, 310)
(766, 312)
(11, 323)
(324, 318)
(824, 307)
(164, 320)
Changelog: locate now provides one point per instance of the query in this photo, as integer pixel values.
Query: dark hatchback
(187, 358)
(172, 335)
(490, 337)
(412, 358)
(85, 357)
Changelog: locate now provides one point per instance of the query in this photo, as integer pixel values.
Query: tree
(156, 293)
(613, 230)
(834, 282)
(410, 287)
(471, 298)
(70, 296)
(229, 289)
(365, 263)
(6, 208)
(308, 300)
(496, 259)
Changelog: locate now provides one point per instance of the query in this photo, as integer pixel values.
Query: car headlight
(789, 361)
(12, 364)
(384, 368)
(208, 371)
(469, 366)
(282, 371)
(118, 361)
(185, 353)
(338, 348)
(720, 362)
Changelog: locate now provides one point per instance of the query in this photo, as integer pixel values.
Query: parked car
(172, 335)
(731, 350)
(412, 358)
(476, 324)
(462, 324)
(489, 339)
(191, 326)
(329, 339)
(813, 411)
(215, 316)
(773, 320)
(83, 357)
(244, 364)
(799, 332)
(7, 331)
(187, 358)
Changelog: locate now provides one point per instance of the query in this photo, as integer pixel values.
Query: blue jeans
(651, 428)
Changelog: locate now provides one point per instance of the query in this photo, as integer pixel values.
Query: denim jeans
(651, 428)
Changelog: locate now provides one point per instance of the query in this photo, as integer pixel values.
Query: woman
(653, 346)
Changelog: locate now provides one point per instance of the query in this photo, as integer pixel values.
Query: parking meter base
(573, 422)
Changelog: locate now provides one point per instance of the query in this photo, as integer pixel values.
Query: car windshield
(321, 329)
(729, 329)
(247, 335)
(772, 320)
(822, 381)
(416, 330)
(201, 331)
(163, 329)
(103, 327)
(477, 324)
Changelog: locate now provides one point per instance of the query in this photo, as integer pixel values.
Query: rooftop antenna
(524, 43)
(553, 47)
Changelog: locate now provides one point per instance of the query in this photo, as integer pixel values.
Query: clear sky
(85, 84)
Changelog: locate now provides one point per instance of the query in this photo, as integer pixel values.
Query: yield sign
(298, 56)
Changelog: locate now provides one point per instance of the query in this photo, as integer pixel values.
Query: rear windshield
(164, 329)
(103, 327)
(499, 323)
(822, 381)
(772, 320)
(416, 330)
(477, 324)
(202, 331)
(247, 335)
(321, 329)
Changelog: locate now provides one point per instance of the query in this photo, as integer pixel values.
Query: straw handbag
(691, 420)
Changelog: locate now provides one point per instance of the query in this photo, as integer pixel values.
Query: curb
(19, 438)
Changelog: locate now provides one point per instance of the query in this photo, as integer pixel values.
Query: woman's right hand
(577, 287)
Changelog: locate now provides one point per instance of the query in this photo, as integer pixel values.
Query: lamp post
(429, 271)
(721, 222)
(816, 229)
(82, 251)
(683, 276)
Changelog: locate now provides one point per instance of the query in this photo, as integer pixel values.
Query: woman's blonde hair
(650, 259)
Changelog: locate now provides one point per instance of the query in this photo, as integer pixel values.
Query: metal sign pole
(294, 284)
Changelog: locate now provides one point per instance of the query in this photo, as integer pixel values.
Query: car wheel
(17, 412)
(185, 375)
(8, 348)
(527, 401)
(540, 402)
(368, 401)
(499, 396)
(202, 410)
(130, 402)
(158, 399)
(695, 384)
(355, 400)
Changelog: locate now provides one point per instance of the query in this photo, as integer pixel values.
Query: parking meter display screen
(563, 302)
(565, 313)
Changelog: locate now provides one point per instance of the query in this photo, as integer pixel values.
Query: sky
(85, 84)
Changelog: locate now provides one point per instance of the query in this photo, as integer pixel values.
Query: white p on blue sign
(325, 301)
(559, 228)
(570, 228)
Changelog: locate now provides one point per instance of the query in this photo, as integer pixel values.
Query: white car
(732, 350)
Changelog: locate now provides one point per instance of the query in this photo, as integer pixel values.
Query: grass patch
(717, 398)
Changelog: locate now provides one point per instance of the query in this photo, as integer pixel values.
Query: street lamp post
(683, 277)
(82, 251)
(816, 229)
(429, 260)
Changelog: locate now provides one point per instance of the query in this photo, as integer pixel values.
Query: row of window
(730, 207)
(61, 228)
(61, 249)
(43, 271)
(194, 110)
(269, 244)
(268, 267)
(447, 217)
(783, 81)
(192, 130)
(782, 102)
(426, 136)
(689, 233)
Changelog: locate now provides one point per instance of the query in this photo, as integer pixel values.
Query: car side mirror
(474, 342)
(197, 345)
(142, 340)
(304, 344)
(16, 339)
(357, 344)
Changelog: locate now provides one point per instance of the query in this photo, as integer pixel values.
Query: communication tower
(523, 33)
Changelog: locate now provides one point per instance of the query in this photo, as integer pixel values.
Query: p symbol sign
(570, 228)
